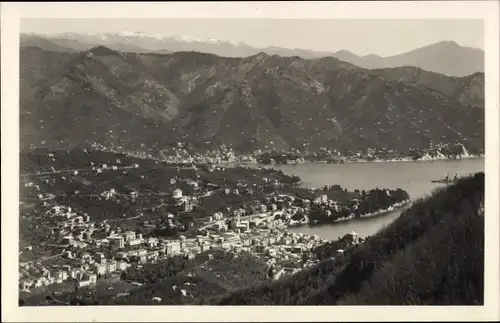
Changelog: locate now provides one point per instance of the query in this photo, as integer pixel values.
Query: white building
(111, 266)
(129, 235)
(62, 275)
(173, 247)
(218, 216)
(177, 194)
(68, 240)
(84, 283)
(117, 241)
(75, 273)
(100, 269)
(152, 242)
(193, 184)
(134, 242)
(122, 265)
(92, 278)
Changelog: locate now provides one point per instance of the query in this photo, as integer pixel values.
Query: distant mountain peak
(261, 55)
(345, 52)
(189, 39)
(137, 34)
(445, 57)
(448, 43)
(101, 51)
(209, 40)
(451, 45)
(68, 35)
(372, 56)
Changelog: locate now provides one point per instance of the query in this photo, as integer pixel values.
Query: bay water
(414, 177)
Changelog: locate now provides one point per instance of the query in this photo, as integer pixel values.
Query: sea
(414, 177)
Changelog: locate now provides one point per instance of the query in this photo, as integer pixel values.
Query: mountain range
(148, 101)
(445, 57)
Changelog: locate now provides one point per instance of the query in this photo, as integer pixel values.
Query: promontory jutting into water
(414, 177)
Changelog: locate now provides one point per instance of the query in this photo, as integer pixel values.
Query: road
(42, 259)
(72, 170)
(123, 219)
(90, 170)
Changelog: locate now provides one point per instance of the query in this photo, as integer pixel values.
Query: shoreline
(403, 160)
(395, 207)
(343, 160)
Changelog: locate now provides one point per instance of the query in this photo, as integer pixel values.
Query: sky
(384, 37)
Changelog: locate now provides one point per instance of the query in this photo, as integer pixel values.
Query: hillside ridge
(257, 102)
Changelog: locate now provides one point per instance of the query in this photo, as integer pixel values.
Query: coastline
(342, 160)
(395, 207)
(358, 161)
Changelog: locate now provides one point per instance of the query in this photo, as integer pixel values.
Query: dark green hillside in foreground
(433, 254)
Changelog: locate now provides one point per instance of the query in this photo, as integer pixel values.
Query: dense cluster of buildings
(92, 250)
(88, 250)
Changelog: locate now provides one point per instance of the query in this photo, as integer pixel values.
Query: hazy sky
(367, 36)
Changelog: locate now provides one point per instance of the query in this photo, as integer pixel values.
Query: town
(184, 153)
(90, 223)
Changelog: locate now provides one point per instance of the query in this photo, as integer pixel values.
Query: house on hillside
(353, 237)
(192, 183)
(177, 194)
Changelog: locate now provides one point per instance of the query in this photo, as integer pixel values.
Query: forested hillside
(148, 102)
(433, 254)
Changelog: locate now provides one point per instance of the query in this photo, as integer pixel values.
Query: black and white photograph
(227, 161)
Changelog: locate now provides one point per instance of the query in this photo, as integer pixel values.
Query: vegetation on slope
(468, 89)
(175, 281)
(454, 279)
(431, 255)
(146, 102)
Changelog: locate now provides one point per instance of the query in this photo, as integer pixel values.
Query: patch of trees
(329, 249)
(433, 254)
(287, 291)
(445, 267)
(369, 202)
